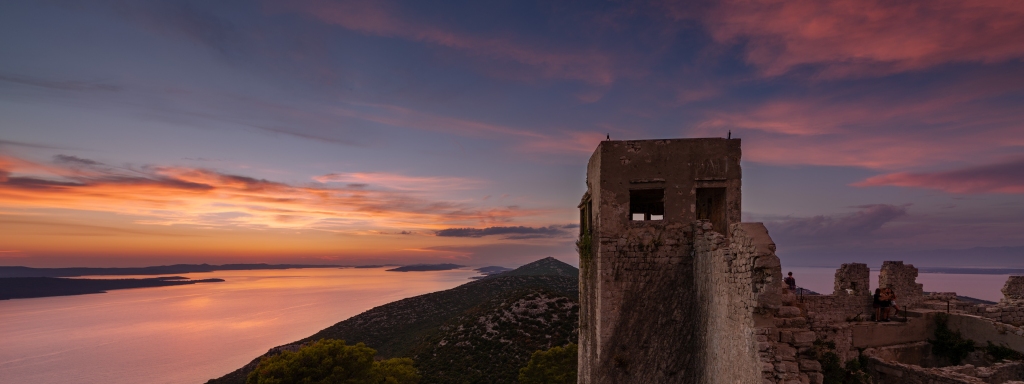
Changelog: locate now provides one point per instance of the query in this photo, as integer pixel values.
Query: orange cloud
(1005, 177)
(869, 37)
(179, 195)
(377, 18)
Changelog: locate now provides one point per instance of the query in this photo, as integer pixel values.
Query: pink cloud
(866, 127)
(869, 37)
(379, 19)
(1006, 177)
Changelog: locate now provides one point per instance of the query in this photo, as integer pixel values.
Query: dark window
(711, 207)
(647, 204)
(586, 211)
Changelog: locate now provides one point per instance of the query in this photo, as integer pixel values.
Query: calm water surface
(986, 287)
(192, 333)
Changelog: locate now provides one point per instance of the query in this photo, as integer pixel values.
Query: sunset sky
(152, 132)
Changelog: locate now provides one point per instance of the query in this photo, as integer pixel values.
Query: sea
(193, 333)
(190, 333)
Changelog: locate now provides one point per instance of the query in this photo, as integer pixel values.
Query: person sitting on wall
(791, 282)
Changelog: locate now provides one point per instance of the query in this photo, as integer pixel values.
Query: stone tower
(644, 309)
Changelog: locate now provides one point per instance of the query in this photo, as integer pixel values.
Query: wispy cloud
(1005, 177)
(75, 160)
(398, 116)
(511, 233)
(868, 38)
(62, 85)
(398, 182)
(383, 19)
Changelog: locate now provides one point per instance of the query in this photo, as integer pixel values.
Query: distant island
(157, 270)
(31, 287)
(426, 267)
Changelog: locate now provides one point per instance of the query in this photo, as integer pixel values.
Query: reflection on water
(985, 287)
(190, 333)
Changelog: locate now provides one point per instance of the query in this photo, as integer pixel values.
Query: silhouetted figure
(791, 282)
(882, 301)
(608, 136)
(876, 303)
(730, 137)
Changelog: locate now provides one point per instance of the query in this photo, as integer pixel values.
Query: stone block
(787, 311)
(785, 352)
(786, 336)
(803, 339)
(787, 367)
(810, 365)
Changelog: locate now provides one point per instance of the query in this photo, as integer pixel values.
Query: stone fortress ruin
(675, 289)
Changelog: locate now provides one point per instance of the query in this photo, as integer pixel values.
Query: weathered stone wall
(651, 315)
(853, 279)
(883, 371)
(983, 330)
(826, 309)
(902, 279)
(741, 281)
(1013, 290)
(590, 283)
(886, 370)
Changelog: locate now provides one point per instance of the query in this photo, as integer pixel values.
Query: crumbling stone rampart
(740, 279)
(1014, 289)
(853, 279)
(902, 279)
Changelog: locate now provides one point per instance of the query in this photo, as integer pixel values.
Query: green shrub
(584, 246)
(1002, 352)
(332, 362)
(833, 371)
(555, 366)
(948, 343)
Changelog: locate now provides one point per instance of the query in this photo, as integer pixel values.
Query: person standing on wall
(791, 282)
